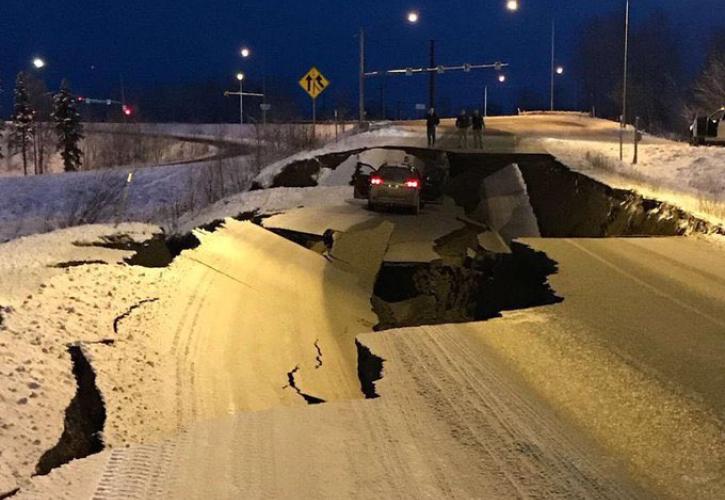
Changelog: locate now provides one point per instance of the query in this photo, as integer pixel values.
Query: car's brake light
(376, 181)
(412, 183)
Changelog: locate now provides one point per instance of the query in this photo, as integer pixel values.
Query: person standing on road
(431, 122)
(478, 126)
(463, 122)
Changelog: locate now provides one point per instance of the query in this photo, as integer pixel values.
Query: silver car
(395, 186)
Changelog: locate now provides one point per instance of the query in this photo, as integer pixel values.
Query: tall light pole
(240, 77)
(623, 118)
(502, 79)
(553, 58)
(411, 17)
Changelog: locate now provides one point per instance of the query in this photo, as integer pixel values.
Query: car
(395, 186)
(709, 129)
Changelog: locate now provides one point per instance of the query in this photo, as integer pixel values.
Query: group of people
(464, 122)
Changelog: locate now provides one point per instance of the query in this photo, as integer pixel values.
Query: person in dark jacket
(431, 122)
(463, 123)
(478, 125)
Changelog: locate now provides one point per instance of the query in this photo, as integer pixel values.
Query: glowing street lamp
(502, 78)
(560, 70)
(512, 5)
(413, 17)
(245, 52)
(39, 63)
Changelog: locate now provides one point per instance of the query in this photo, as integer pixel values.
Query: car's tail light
(376, 181)
(412, 183)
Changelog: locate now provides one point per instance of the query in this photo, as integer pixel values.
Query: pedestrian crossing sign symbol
(314, 83)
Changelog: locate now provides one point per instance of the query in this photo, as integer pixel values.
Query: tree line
(661, 91)
(39, 115)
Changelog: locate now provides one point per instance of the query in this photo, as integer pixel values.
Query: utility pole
(361, 102)
(623, 122)
(553, 56)
(432, 81)
(241, 108)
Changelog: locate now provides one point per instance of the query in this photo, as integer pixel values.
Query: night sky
(151, 42)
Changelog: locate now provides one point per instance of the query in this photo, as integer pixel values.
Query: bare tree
(709, 88)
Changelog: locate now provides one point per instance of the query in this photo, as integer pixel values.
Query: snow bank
(692, 178)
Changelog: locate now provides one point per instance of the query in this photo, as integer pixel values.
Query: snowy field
(692, 178)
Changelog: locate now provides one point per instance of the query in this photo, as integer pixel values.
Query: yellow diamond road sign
(314, 83)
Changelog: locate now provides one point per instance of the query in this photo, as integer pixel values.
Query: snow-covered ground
(36, 204)
(692, 178)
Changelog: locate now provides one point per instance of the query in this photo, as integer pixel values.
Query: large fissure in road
(480, 288)
(567, 204)
(84, 419)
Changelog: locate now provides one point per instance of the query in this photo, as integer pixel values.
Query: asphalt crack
(318, 358)
(369, 370)
(118, 319)
(78, 263)
(85, 418)
(292, 383)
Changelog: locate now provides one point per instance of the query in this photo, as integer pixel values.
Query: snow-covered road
(246, 366)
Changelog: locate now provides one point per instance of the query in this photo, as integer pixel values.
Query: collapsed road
(541, 353)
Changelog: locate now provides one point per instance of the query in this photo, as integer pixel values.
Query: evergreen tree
(23, 121)
(68, 128)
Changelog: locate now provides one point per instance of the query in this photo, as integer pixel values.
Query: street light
(623, 118)
(240, 77)
(245, 52)
(502, 79)
(39, 63)
(560, 70)
(512, 5)
(413, 17)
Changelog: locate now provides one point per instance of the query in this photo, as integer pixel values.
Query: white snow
(36, 204)
(43, 310)
(692, 178)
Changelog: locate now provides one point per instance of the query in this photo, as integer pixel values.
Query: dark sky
(93, 42)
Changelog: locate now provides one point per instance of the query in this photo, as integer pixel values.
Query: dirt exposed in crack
(3, 311)
(369, 370)
(117, 320)
(9, 494)
(84, 419)
(318, 358)
(78, 263)
(568, 204)
(151, 253)
(309, 241)
(292, 383)
(479, 289)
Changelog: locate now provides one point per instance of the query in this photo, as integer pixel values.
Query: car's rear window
(395, 174)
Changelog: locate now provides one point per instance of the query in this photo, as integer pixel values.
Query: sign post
(314, 83)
